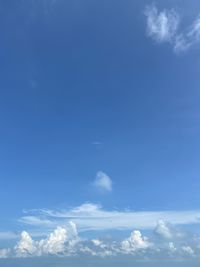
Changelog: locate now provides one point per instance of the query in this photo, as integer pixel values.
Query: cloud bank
(65, 241)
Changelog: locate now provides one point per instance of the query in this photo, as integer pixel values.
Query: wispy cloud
(93, 217)
(97, 143)
(189, 38)
(163, 26)
(8, 235)
(103, 182)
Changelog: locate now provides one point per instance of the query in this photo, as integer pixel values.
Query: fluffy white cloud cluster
(60, 241)
(165, 241)
(26, 246)
(163, 26)
(135, 242)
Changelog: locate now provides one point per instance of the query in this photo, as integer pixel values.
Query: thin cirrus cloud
(92, 217)
(163, 27)
(103, 182)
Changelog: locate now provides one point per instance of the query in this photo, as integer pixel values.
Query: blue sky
(99, 125)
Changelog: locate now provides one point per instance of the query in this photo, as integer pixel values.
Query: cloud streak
(163, 27)
(90, 216)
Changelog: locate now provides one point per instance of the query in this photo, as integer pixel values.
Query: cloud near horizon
(65, 241)
(61, 228)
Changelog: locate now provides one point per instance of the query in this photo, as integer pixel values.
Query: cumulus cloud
(163, 26)
(55, 243)
(60, 241)
(188, 250)
(66, 242)
(26, 245)
(103, 181)
(166, 238)
(135, 242)
(172, 247)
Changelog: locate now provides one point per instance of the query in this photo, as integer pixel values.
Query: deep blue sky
(76, 73)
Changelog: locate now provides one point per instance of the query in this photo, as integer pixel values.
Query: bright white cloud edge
(65, 241)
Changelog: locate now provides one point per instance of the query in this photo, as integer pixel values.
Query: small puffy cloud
(103, 181)
(172, 247)
(135, 242)
(188, 250)
(4, 253)
(163, 229)
(96, 242)
(161, 26)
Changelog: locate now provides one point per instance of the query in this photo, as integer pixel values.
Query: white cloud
(103, 181)
(93, 217)
(4, 253)
(66, 242)
(163, 230)
(188, 250)
(166, 231)
(161, 26)
(96, 242)
(60, 241)
(26, 246)
(55, 243)
(135, 242)
(181, 44)
(189, 38)
(172, 247)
